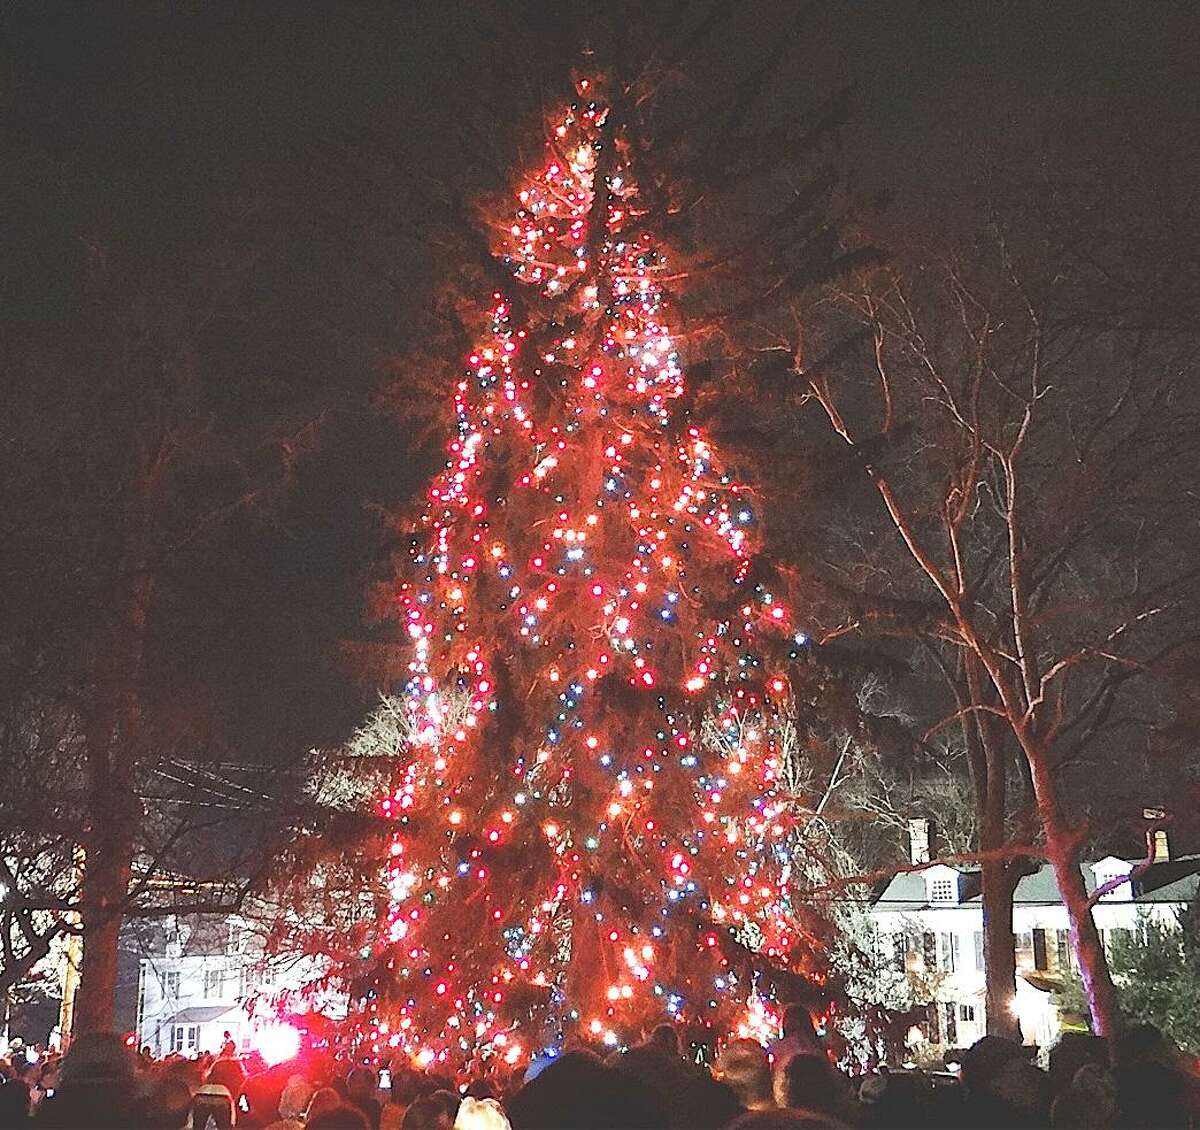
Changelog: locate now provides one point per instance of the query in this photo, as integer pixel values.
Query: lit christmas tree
(592, 822)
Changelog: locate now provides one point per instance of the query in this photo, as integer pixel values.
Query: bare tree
(1034, 476)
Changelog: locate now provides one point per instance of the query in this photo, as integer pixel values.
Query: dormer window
(943, 890)
(1110, 870)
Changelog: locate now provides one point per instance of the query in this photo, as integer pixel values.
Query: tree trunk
(105, 886)
(999, 948)
(1061, 851)
(109, 844)
(999, 877)
(587, 963)
(1085, 938)
(114, 811)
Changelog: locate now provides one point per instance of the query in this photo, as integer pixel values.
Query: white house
(204, 979)
(932, 921)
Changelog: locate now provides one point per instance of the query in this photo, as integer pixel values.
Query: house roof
(905, 892)
(1040, 888)
(203, 1013)
(1182, 874)
(1175, 881)
(1180, 890)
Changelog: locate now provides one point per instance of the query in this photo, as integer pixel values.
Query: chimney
(919, 835)
(1158, 848)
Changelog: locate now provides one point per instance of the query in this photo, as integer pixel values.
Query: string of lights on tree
(589, 812)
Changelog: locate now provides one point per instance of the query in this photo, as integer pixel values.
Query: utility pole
(72, 960)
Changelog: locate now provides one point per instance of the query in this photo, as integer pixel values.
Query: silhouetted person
(96, 1086)
(896, 1101)
(427, 1113)
(743, 1065)
(342, 1117)
(1072, 1051)
(658, 1065)
(578, 1092)
(799, 1037)
(786, 1120)
(811, 1083)
(1003, 1088)
(360, 1092)
(14, 1104)
(170, 1103)
(1151, 1096)
(1088, 1103)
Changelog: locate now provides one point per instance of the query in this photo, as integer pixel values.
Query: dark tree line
(188, 454)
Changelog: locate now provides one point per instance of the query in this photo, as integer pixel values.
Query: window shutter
(949, 952)
(1041, 960)
(929, 949)
(951, 1011)
(1062, 940)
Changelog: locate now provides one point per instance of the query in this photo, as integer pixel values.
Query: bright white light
(277, 1044)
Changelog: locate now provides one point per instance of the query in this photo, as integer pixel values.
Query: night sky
(309, 137)
(173, 97)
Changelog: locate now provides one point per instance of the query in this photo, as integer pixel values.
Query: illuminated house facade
(205, 979)
(931, 924)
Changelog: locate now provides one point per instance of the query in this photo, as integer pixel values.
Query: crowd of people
(1138, 1081)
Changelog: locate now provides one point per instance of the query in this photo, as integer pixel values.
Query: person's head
(806, 1082)
(324, 1099)
(228, 1073)
(407, 1085)
(1141, 1043)
(214, 1103)
(170, 1103)
(786, 1120)
(578, 1090)
(14, 1102)
(1088, 1101)
(703, 1103)
(480, 1114)
(1151, 1096)
(744, 1066)
(48, 1073)
(294, 1098)
(797, 1023)
(427, 1113)
(97, 1057)
(481, 1089)
(1000, 1068)
(340, 1117)
(1073, 1050)
(665, 1038)
(360, 1084)
(187, 1070)
(895, 1099)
